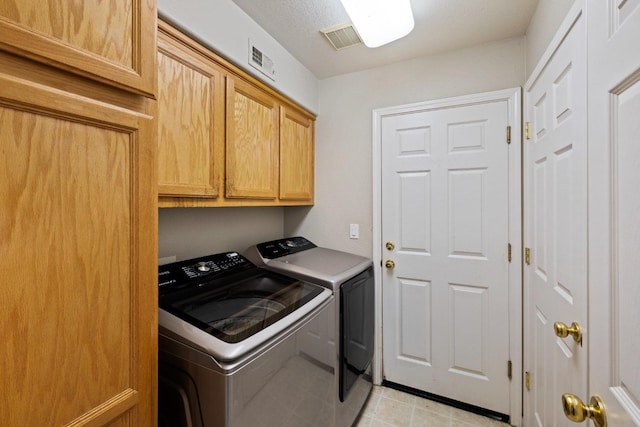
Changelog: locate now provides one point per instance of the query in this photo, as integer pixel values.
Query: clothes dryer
(348, 331)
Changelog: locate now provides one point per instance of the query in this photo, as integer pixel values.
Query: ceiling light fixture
(380, 21)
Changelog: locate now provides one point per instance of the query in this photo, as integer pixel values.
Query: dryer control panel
(278, 248)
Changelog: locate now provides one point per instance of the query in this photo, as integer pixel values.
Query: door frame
(513, 96)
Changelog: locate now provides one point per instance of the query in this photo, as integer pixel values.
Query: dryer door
(356, 329)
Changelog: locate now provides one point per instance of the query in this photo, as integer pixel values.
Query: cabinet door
(190, 121)
(110, 41)
(78, 235)
(296, 155)
(252, 142)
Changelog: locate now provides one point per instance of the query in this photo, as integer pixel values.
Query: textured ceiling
(441, 25)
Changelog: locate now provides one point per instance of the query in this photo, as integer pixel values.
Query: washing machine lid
(298, 257)
(224, 304)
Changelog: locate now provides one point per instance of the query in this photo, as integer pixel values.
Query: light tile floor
(388, 407)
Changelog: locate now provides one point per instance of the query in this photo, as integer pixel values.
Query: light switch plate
(354, 231)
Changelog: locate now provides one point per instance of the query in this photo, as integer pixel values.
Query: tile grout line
(413, 413)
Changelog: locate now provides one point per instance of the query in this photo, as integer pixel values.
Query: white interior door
(555, 225)
(445, 213)
(614, 205)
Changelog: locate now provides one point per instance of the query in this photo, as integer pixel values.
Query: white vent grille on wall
(342, 36)
(261, 62)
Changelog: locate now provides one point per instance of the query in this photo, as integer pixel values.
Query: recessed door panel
(627, 249)
(414, 334)
(469, 321)
(414, 141)
(415, 209)
(467, 209)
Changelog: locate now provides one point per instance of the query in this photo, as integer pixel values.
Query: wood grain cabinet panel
(220, 128)
(296, 155)
(79, 296)
(108, 41)
(251, 143)
(190, 120)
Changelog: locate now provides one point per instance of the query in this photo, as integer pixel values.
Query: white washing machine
(346, 335)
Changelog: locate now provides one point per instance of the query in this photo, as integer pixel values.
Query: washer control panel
(197, 270)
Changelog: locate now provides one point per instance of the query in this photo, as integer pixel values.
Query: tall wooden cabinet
(78, 224)
(225, 138)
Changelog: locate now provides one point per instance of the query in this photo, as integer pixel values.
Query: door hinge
(509, 252)
(527, 256)
(527, 380)
(508, 134)
(527, 130)
(509, 369)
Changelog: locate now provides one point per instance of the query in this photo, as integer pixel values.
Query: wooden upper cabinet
(109, 41)
(221, 129)
(190, 120)
(251, 142)
(296, 155)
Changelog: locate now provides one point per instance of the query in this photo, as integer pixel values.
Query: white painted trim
(514, 99)
(377, 237)
(572, 16)
(515, 268)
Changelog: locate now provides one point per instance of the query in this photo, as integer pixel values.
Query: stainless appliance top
(300, 258)
(227, 307)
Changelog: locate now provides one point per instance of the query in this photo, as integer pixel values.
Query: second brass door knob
(564, 331)
(577, 411)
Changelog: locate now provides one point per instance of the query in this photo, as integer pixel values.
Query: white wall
(192, 232)
(226, 29)
(344, 130)
(543, 25)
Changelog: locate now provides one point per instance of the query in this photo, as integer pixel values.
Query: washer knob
(202, 266)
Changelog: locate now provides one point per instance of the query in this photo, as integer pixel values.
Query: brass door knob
(564, 331)
(576, 410)
(389, 264)
(390, 246)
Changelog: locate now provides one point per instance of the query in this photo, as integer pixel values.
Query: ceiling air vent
(342, 36)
